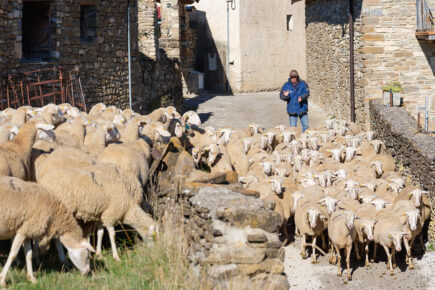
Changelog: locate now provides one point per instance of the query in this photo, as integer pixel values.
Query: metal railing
(40, 87)
(425, 19)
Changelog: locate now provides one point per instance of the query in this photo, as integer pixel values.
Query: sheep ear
(85, 244)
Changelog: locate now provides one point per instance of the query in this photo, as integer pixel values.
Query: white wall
(262, 49)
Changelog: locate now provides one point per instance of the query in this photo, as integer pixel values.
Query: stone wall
(232, 232)
(327, 45)
(414, 152)
(393, 53)
(103, 63)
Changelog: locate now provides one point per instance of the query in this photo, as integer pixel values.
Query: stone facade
(414, 152)
(103, 62)
(327, 42)
(386, 49)
(393, 53)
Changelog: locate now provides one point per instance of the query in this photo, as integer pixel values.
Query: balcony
(425, 21)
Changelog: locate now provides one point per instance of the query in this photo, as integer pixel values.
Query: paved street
(238, 111)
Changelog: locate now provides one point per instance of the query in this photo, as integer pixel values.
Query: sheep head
(395, 187)
(412, 217)
(350, 186)
(267, 167)
(213, 152)
(112, 133)
(263, 142)
(329, 202)
(287, 137)
(52, 114)
(341, 173)
(377, 145)
(248, 179)
(369, 135)
(119, 120)
(366, 198)
(78, 251)
(270, 138)
(350, 153)
(377, 166)
(379, 203)
(297, 163)
(254, 129)
(295, 146)
(312, 215)
(396, 237)
(276, 185)
(329, 124)
(350, 219)
(284, 172)
(196, 156)
(281, 128)
(415, 195)
(367, 227)
(191, 118)
(336, 154)
(355, 142)
(313, 143)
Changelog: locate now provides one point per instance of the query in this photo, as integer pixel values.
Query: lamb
(15, 154)
(30, 212)
(99, 195)
(310, 221)
(342, 233)
(388, 233)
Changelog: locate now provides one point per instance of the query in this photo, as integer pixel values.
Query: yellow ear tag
(389, 235)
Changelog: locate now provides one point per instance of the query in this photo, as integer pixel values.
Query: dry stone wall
(414, 152)
(327, 45)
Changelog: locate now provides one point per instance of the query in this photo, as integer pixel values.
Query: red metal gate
(39, 87)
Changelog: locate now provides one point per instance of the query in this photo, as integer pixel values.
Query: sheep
(52, 114)
(73, 135)
(217, 159)
(342, 233)
(388, 233)
(30, 212)
(364, 225)
(99, 195)
(15, 154)
(406, 210)
(191, 118)
(95, 142)
(310, 221)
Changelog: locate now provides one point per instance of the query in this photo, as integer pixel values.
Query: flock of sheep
(64, 171)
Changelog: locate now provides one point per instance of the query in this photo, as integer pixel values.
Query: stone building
(92, 36)
(387, 48)
(267, 40)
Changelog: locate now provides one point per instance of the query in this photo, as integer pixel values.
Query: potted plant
(396, 89)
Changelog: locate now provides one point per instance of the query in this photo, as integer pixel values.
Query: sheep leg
(393, 257)
(408, 254)
(322, 234)
(348, 250)
(421, 242)
(100, 234)
(111, 230)
(389, 264)
(36, 251)
(303, 245)
(60, 252)
(332, 259)
(337, 250)
(357, 250)
(29, 266)
(374, 252)
(313, 257)
(366, 250)
(15, 248)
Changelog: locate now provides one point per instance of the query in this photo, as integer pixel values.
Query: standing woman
(296, 92)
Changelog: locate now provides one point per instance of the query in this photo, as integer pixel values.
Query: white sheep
(342, 233)
(98, 194)
(30, 212)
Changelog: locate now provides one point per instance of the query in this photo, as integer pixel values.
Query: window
(36, 30)
(88, 23)
(289, 22)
